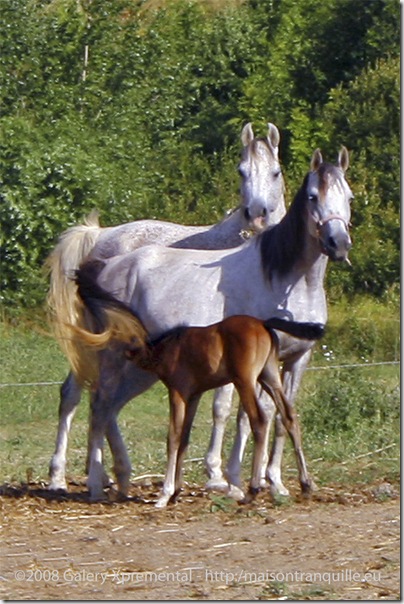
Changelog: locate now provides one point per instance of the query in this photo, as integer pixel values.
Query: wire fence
(319, 368)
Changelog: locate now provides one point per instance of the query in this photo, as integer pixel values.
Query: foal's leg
(259, 427)
(177, 416)
(270, 381)
(233, 470)
(213, 460)
(70, 393)
(291, 377)
(190, 411)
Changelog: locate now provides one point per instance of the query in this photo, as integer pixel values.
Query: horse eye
(277, 173)
(313, 197)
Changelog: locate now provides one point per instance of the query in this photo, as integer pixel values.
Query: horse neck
(230, 228)
(289, 248)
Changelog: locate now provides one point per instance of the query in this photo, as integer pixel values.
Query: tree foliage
(136, 108)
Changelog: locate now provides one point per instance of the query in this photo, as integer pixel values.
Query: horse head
(262, 186)
(329, 197)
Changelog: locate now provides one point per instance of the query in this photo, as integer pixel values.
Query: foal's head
(262, 186)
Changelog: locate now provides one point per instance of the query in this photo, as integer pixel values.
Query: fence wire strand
(321, 367)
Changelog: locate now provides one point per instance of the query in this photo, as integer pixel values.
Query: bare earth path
(339, 545)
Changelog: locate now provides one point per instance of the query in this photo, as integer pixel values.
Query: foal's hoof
(250, 496)
(308, 488)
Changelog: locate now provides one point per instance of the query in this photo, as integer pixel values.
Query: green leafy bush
(137, 109)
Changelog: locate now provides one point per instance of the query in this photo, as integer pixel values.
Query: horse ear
(273, 137)
(316, 160)
(247, 134)
(343, 159)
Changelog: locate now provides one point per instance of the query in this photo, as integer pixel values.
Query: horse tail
(304, 331)
(62, 301)
(106, 320)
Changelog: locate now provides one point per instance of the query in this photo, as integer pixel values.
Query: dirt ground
(342, 544)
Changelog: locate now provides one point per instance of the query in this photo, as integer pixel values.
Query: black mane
(282, 244)
(172, 334)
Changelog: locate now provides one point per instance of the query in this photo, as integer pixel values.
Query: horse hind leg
(70, 394)
(271, 383)
(106, 402)
(122, 467)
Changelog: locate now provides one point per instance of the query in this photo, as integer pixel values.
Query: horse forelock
(328, 175)
(260, 144)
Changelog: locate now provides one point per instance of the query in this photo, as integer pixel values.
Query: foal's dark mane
(172, 334)
(282, 245)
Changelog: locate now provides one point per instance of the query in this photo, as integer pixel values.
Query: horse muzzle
(334, 238)
(258, 223)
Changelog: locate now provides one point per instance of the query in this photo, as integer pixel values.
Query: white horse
(262, 204)
(279, 273)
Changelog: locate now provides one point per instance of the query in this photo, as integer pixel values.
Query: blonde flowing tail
(64, 305)
(107, 321)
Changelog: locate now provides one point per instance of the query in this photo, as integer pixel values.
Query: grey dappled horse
(279, 273)
(262, 204)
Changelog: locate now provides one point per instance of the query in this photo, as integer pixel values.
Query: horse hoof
(308, 488)
(235, 492)
(57, 486)
(278, 490)
(217, 484)
(98, 497)
(162, 502)
(251, 495)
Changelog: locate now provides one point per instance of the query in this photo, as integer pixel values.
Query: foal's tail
(303, 331)
(109, 320)
(62, 301)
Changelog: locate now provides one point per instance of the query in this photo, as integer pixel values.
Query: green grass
(350, 416)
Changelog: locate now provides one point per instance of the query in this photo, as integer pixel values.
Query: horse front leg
(292, 374)
(243, 429)
(70, 394)
(177, 415)
(213, 460)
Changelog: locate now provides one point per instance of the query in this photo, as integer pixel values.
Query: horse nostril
(247, 214)
(264, 212)
(332, 242)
